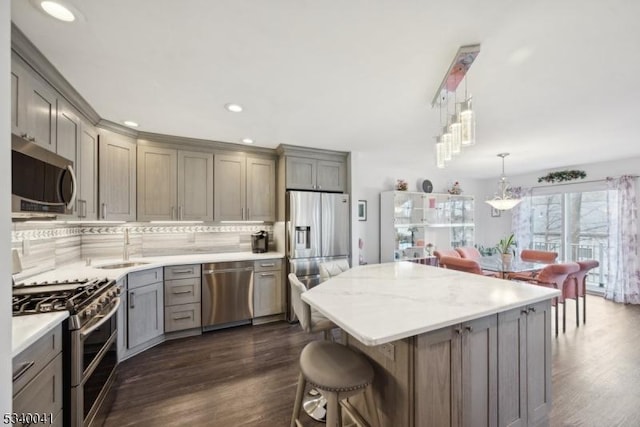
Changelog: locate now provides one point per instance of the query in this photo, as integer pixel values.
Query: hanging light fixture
(439, 153)
(503, 201)
(460, 127)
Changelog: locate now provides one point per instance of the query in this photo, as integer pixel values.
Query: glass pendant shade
(440, 154)
(503, 201)
(468, 124)
(445, 138)
(455, 128)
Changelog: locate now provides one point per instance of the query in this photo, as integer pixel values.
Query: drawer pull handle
(267, 274)
(267, 265)
(190, 271)
(182, 292)
(469, 328)
(23, 370)
(188, 316)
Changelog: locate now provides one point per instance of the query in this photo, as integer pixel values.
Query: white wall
(5, 220)
(377, 171)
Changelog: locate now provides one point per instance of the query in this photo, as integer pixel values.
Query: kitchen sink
(121, 265)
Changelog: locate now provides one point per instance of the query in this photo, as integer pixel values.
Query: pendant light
(445, 138)
(503, 201)
(439, 153)
(467, 124)
(455, 129)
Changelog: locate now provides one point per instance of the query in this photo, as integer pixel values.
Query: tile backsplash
(44, 246)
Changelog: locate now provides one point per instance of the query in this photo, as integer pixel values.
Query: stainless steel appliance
(89, 343)
(260, 242)
(227, 294)
(317, 230)
(42, 182)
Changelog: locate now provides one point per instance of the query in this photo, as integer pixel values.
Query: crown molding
(26, 50)
(117, 128)
(294, 150)
(182, 142)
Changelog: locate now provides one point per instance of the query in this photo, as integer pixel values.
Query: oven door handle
(105, 318)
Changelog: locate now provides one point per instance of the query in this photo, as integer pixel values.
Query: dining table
(495, 263)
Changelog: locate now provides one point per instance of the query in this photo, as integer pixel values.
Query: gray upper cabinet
(33, 106)
(195, 186)
(311, 174)
(157, 184)
(117, 177)
(261, 189)
(87, 172)
(67, 138)
(174, 184)
(230, 188)
(245, 188)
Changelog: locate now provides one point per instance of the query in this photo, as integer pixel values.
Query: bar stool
(332, 268)
(311, 321)
(339, 373)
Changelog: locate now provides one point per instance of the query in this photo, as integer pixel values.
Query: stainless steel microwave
(42, 182)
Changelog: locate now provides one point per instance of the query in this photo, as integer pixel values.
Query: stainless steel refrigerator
(317, 228)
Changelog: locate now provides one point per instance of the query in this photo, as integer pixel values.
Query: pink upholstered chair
(445, 252)
(538, 256)
(554, 276)
(469, 252)
(576, 286)
(463, 264)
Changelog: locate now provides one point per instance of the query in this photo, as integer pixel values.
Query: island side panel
(539, 363)
(393, 381)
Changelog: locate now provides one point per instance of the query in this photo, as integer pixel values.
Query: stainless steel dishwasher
(227, 294)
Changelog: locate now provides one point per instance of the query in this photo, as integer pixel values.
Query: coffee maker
(260, 242)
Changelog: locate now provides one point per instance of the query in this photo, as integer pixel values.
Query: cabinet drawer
(143, 278)
(181, 291)
(267, 264)
(43, 394)
(181, 271)
(31, 361)
(179, 317)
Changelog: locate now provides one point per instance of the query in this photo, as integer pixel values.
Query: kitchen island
(449, 348)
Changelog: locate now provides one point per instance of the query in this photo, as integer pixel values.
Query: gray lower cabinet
(121, 319)
(37, 379)
(524, 361)
(268, 288)
(456, 375)
(182, 290)
(145, 308)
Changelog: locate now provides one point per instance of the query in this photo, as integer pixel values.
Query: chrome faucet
(125, 248)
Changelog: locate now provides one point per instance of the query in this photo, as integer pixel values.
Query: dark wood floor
(246, 376)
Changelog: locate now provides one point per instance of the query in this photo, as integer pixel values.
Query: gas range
(84, 299)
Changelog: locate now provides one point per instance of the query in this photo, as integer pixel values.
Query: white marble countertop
(380, 303)
(80, 270)
(28, 329)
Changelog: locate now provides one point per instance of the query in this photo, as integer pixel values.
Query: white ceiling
(556, 82)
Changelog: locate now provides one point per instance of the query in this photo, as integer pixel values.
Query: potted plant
(506, 248)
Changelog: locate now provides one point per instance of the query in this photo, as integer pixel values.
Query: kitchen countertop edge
(28, 329)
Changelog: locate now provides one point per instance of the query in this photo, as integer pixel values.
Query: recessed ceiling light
(130, 123)
(58, 11)
(234, 108)
(247, 141)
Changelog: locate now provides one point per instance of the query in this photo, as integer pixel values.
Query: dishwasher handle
(226, 270)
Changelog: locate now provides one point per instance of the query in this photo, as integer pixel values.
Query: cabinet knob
(319, 187)
(458, 331)
(532, 309)
(524, 312)
(469, 328)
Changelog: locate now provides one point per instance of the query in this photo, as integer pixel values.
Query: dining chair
(576, 287)
(464, 264)
(332, 268)
(445, 252)
(469, 252)
(554, 276)
(538, 256)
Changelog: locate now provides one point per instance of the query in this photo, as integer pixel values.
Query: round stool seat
(334, 367)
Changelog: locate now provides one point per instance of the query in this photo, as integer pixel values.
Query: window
(575, 225)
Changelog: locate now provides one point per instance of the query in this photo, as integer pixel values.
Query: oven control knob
(89, 312)
(103, 300)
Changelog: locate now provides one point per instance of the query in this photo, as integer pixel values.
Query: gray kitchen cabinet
(121, 319)
(145, 308)
(157, 184)
(117, 177)
(67, 138)
(268, 288)
(37, 377)
(244, 188)
(456, 375)
(174, 184)
(524, 358)
(195, 186)
(182, 290)
(19, 77)
(312, 174)
(41, 107)
(87, 172)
